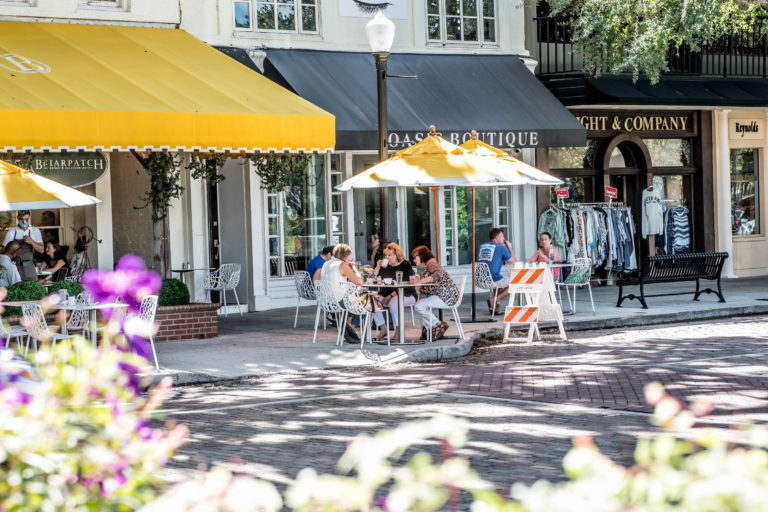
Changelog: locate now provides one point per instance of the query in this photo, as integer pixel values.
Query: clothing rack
(619, 204)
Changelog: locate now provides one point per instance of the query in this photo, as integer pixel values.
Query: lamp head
(381, 33)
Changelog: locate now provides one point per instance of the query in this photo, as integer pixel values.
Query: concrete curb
(463, 347)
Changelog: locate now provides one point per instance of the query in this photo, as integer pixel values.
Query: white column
(103, 229)
(724, 234)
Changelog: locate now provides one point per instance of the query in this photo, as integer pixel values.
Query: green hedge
(173, 293)
(73, 289)
(24, 290)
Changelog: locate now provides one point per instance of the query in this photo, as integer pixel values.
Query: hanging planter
(280, 170)
(164, 173)
(207, 167)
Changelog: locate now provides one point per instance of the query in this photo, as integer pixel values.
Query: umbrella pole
(474, 249)
(473, 305)
(435, 191)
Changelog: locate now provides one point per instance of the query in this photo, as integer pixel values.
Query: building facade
(472, 71)
(698, 135)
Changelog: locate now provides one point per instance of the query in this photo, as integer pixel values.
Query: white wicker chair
(17, 332)
(225, 278)
(453, 309)
(37, 327)
(354, 306)
(305, 289)
(147, 312)
(484, 280)
(327, 303)
(78, 319)
(578, 264)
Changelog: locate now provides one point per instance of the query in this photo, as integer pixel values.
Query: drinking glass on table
(399, 277)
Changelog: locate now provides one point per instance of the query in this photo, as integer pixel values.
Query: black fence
(742, 54)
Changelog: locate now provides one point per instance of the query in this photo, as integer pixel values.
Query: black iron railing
(742, 54)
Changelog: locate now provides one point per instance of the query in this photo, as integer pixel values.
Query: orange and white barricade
(537, 289)
(522, 315)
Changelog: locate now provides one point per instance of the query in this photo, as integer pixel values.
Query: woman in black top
(396, 262)
(52, 262)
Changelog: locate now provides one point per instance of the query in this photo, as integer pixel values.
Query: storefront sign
(611, 192)
(509, 139)
(644, 124)
(393, 9)
(71, 169)
(562, 193)
(746, 129)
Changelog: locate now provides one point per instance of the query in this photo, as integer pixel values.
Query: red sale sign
(611, 192)
(562, 193)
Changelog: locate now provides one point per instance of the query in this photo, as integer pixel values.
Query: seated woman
(52, 262)
(336, 273)
(446, 293)
(78, 264)
(547, 253)
(395, 262)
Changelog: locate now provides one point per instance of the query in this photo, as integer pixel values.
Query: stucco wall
(132, 229)
(129, 11)
(212, 21)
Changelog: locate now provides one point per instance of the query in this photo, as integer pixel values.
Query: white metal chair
(305, 289)
(484, 280)
(17, 332)
(37, 327)
(147, 311)
(578, 265)
(453, 309)
(78, 319)
(225, 278)
(327, 303)
(354, 306)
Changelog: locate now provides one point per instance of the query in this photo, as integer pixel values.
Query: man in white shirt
(9, 273)
(24, 232)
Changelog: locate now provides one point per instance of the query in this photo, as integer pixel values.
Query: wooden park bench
(671, 268)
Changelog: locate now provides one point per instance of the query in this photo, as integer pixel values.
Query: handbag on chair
(371, 302)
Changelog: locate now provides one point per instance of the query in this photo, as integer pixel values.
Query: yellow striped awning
(89, 87)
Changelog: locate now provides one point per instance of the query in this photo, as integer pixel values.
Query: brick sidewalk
(525, 403)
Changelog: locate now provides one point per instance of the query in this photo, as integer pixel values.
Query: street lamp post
(381, 34)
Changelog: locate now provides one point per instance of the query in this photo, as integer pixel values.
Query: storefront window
(279, 15)
(484, 219)
(296, 217)
(576, 190)
(668, 152)
(461, 20)
(569, 158)
(745, 190)
(418, 232)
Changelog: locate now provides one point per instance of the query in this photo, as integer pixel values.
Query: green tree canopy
(633, 36)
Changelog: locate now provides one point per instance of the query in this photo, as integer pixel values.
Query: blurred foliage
(78, 438)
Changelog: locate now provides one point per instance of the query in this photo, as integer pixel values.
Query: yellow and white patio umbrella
(435, 162)
(21, 189)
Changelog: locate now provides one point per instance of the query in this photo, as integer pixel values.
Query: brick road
(524, 402)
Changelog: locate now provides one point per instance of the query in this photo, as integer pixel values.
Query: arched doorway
(624, 163)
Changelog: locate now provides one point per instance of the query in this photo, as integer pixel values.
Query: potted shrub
(173, 293)
(73, 289)
(23, 291)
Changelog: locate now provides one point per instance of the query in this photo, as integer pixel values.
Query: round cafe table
(400, 287)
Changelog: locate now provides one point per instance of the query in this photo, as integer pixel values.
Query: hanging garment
(678, 232)
(553, 222)
(653, 213)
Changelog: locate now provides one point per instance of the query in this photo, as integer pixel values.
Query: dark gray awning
(495, 95)
(698, 91)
